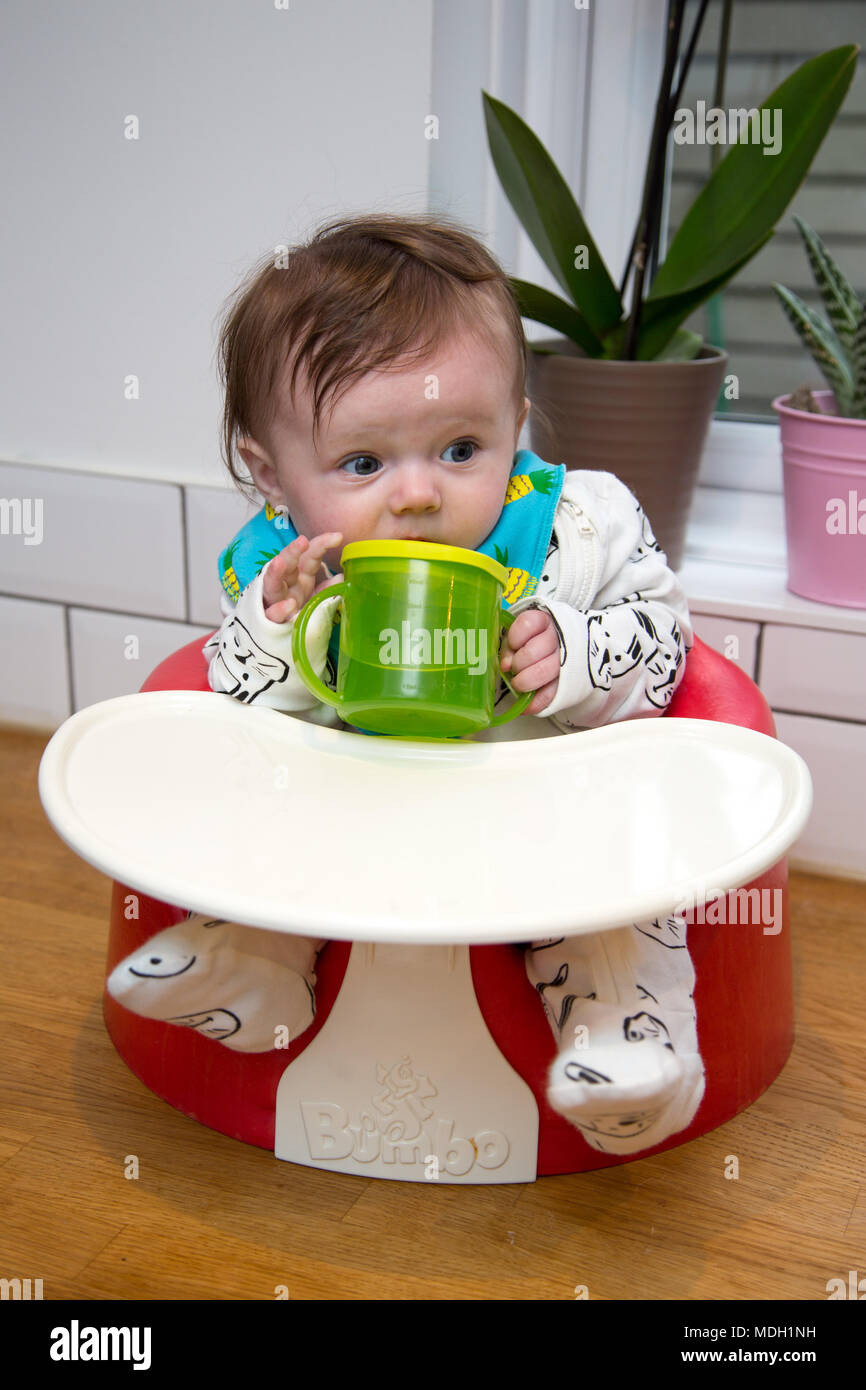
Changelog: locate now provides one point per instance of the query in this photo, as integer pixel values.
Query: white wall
(255, 124)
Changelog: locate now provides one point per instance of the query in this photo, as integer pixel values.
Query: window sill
(735, 564)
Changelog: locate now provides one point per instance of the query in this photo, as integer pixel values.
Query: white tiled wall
(212, 518)
(112, 654)
(104, 542)
(100, 579)
(35, 688)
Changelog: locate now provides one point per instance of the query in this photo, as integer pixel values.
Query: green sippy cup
(419, 640)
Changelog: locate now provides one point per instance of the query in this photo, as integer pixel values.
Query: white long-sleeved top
(621, 615)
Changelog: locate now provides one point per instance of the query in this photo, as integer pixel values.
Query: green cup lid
(424, 550)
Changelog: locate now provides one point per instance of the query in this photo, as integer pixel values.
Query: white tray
(254, 816)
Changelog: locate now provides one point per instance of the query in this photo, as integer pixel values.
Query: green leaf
(549, 215)
(823, 344)
(748, 192)
(542, 306)
(662, 317)
(858, 369)
(682, 347)
(840, 299)
(614, 343)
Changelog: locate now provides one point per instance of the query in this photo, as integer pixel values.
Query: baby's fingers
(281, 612)
(543, 697)
(536, 674)
(294, 582)
(282, 571)
(311, 560)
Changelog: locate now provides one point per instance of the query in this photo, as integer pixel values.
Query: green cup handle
(299, 645)
(521, 701)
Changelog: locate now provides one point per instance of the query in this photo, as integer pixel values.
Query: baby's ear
(261, 470)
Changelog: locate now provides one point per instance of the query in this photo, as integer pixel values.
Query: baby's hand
(531, 657)
(290, 578)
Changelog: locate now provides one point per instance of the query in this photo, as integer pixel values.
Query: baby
(407, 330)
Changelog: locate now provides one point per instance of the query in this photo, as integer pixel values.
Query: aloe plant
(732, 217)
(838, 347)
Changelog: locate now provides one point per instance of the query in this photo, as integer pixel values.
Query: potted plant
(824, 440)
(629, 389)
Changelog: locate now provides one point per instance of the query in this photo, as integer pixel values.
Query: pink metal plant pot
(824, 460)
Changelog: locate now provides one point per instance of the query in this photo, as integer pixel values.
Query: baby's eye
(462, 444)
(366, 466)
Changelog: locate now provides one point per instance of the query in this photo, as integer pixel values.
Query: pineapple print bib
(519, 541)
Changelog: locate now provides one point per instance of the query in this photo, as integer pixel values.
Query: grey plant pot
(644, 421)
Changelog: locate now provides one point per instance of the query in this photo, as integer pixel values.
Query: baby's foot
(249, 989)
(625, 1089)
(633, 1132)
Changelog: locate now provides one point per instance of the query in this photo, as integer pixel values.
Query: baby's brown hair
(361, 293)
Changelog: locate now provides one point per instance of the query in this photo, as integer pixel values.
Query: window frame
(585, 81)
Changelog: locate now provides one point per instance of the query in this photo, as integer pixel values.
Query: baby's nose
(415, 489)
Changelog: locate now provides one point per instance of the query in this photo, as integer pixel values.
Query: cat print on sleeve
(249, 667)
(624, 636)
(647, 540)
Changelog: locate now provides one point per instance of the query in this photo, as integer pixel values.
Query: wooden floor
(211, 1218)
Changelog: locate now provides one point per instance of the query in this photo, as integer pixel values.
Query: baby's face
(421, 453)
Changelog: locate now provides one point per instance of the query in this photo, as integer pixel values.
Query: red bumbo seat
(743, 994)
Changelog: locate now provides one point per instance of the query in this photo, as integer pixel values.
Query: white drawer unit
(834, 840)
(736, 640)
(811, 671)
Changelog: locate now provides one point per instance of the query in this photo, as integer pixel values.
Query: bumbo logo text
(330, 1136)
(399, 1126)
